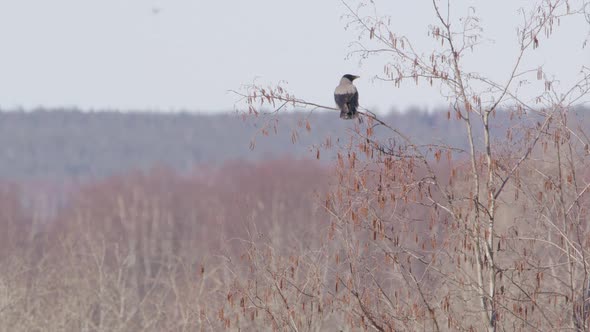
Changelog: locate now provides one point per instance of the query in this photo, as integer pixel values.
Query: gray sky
(120, 54)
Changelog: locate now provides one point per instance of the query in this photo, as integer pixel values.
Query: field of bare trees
(484, 229)
(152, 251)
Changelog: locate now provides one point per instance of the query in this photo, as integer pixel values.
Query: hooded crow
(347, 97)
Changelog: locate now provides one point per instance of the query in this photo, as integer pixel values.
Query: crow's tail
(352, 113)
(348, 112)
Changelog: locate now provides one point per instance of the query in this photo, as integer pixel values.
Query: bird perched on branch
(347, 97)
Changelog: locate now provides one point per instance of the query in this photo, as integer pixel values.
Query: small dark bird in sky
(347, 97)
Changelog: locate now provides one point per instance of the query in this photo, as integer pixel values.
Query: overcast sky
(186, 54)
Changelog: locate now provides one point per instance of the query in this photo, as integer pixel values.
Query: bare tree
(437, 237)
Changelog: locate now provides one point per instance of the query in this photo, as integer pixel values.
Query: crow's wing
(354, 100)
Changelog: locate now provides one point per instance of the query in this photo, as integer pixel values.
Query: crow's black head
(350, 77)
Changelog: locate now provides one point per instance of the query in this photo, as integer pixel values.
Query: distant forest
(58, 144)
